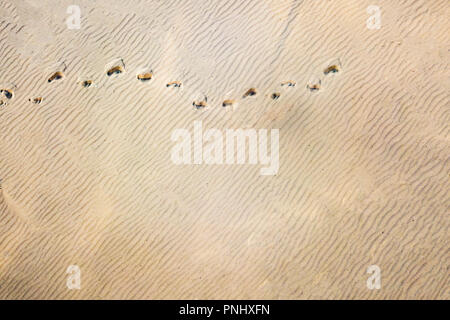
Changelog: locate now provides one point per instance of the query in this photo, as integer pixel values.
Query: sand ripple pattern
(86, 176)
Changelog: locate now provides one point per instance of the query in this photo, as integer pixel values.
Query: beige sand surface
(87, 177)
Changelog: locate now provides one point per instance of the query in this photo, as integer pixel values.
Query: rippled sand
(85, 159)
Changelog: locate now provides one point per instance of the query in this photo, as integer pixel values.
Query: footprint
(314, 85)
(289, 83)
(200, 104)
(175, 84)
(115, 70)
(275, 95)
(8, 93)
(228, 103)
(86, 83)
(36, 100)
(56, 76)
(145, 76)
(116, 67)
(333, 67)
(250, 92)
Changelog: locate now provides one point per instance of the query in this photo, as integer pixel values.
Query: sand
(86, 171)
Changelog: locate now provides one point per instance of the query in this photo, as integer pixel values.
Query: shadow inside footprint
(56, 76)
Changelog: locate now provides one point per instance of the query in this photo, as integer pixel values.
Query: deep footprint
(115, 70)
(250, 92)
(8, 93)
(334, 68)
(145, 76)
(275, 95)
(56, 76)
(115, 67)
